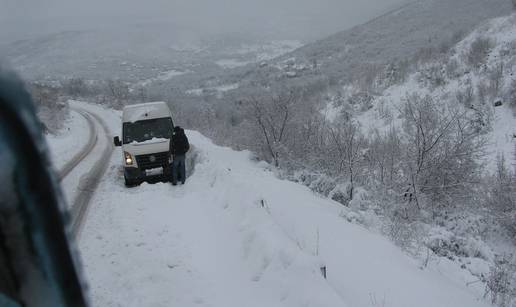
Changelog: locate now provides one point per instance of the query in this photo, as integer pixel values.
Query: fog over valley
(285, 19)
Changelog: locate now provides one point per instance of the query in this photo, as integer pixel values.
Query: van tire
(129, 183)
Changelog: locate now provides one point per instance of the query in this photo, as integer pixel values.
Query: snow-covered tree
(349, 145)
(441, 151)
(272, 115)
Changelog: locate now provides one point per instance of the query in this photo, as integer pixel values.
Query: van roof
(143, 111)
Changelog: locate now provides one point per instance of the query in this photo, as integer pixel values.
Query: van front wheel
(129, 182)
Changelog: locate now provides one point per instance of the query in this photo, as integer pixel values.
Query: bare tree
(272, 115)
(383, 157)
(441, 151)
(349, 144)
(119, 92)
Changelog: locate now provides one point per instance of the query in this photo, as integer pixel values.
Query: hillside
(398, 35)
(395, 36)
(136, 53)
(236, 235)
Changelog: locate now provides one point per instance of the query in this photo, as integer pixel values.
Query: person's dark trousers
(178, 169)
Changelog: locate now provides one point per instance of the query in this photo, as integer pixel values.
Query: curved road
(90, 180)
(85, 150)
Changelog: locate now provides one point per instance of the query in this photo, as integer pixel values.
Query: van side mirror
(117, 141)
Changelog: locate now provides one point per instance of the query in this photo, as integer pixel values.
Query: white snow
(154, 140)
(235, 235)
(142, 111)
(69, 141)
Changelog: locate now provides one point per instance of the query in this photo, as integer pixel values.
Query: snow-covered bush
(501, 282)
(440, 152)
(317, 182)
(403, 232)
(447, 244)
(501, 197)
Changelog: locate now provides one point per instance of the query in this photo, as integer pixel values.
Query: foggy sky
(298, 18)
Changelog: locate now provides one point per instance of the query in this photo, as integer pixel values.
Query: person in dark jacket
(179, 146)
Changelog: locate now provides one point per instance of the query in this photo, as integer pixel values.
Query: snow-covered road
(235, 235)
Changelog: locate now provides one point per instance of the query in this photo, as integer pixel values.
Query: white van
(146, 132)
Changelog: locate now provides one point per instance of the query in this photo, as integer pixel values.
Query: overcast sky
(293, 17)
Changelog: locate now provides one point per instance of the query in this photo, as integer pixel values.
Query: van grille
(151, 161)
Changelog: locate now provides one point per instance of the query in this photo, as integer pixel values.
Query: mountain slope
(235, 235)
(395, 36)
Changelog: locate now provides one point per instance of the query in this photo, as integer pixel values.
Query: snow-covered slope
(395, 36)
(235, 235)
(452, 76)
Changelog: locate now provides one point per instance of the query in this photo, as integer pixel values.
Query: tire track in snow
(90, 181)
(85, 150)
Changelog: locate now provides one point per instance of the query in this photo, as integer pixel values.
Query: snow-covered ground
(236, 235)
(69, 141)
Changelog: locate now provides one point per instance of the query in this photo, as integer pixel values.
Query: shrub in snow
(501, 197)
(403, 232)
(501, 283)
(319, 183)
(361, 200)
(340, 194)
(447, 244)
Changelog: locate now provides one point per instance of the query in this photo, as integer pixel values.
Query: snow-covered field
(236, 235)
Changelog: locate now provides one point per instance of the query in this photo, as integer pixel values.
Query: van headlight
(128, 158)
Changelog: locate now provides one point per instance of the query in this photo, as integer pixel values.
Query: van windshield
(144, 130)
